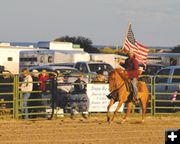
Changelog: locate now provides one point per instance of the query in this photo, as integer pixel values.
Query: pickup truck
(167, 81)
(169, 77)
(93, 67)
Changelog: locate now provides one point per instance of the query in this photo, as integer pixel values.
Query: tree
(176, 49)
(84, 43)
(107, 50)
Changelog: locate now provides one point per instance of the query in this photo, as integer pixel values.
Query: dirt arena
(93, 130)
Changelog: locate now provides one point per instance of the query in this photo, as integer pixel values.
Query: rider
(131, 65)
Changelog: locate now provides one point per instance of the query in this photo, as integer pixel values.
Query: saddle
(129, 88)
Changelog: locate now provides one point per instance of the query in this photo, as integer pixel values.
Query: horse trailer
(14, 59)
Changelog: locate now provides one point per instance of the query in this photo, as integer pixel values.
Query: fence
(14, 104)
(166, 94)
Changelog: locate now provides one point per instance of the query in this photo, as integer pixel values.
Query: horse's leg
(108, 108)
(144, 106)
(129, 106)
(117, 108)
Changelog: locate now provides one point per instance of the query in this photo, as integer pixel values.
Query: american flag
(131, 43)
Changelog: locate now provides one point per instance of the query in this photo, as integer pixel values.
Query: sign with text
(98, 101)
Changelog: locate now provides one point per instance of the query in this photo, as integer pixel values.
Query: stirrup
(108, 96)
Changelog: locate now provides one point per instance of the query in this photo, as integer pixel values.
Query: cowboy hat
(35, 71)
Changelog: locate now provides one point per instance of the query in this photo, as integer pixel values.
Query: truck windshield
(68, 71)
(104, 67)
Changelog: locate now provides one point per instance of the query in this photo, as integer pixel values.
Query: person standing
(131, 66)
(35, 94)
(26, 87)
(100, 78)
(43, 78)
(80, 85)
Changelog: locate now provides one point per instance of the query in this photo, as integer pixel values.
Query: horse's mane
(122, 73)
(115, 79)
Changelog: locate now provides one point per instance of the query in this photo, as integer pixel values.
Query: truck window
(95, 67)
(176, 73)
(160, 78)
(50, 59)
(84, 68)
(10, 59)
(77, 66)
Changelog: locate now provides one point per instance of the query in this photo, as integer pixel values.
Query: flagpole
(125, 37)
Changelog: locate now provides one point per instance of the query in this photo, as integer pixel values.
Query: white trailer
(108, 58)
(167, 59)
(67, 56)
(15, 59)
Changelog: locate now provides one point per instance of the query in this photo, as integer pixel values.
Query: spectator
(43, 78)
(35, 95)
(80, 85)
(175, 96)
(26, 87)
(100, 78)
(79, 101)
(35, 77)
(63, 89)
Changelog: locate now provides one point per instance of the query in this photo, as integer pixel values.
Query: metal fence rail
(164, 89)
(11, 102)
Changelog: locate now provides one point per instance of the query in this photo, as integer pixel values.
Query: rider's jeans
(134, 83)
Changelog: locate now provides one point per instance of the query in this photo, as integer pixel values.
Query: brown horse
(117, 79)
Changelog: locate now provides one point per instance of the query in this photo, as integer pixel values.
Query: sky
(105, 22)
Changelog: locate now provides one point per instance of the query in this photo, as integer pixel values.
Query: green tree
(85, 43)
(176, 49)
(107, 50)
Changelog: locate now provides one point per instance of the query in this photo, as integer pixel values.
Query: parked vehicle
(167, 81)
(92, 67)
(168, 59)
(168, 76)
(63, 64)
(69, 73)
(149, 71)
(152, 69)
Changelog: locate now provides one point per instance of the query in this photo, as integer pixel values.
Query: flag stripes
(131, 43)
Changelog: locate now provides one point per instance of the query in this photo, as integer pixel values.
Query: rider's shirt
(132, 68)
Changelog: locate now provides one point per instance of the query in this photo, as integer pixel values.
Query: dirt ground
(94, 130)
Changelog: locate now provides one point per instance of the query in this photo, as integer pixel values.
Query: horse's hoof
(123, 121)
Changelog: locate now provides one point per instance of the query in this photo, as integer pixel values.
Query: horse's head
(114, 80)
(123, 74)
(111, 79)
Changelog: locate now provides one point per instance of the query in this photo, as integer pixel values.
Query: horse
(118, 80)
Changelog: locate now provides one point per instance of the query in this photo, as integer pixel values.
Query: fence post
(153, 95)
(16, 96)
(54, 94)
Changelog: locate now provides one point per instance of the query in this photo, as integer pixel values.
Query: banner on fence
(98, 101)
